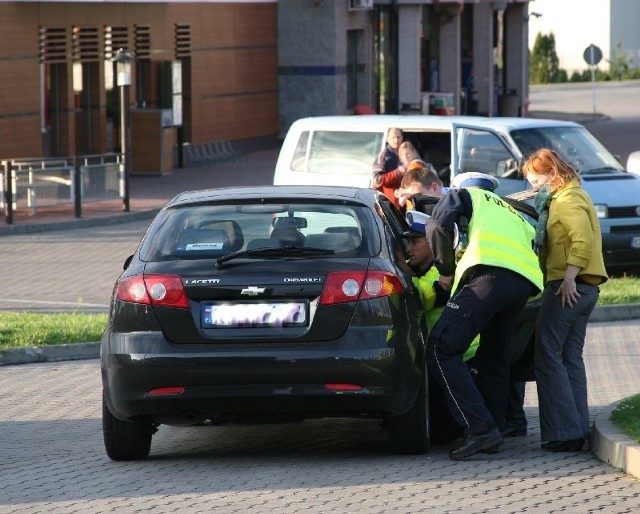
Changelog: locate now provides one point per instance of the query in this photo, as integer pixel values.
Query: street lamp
(124, 59)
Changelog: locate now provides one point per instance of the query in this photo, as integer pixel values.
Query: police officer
(444, 429)
(420, 259)
(490, 285)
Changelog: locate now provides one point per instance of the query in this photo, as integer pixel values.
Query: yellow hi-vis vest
(430, 314)
(499, 236)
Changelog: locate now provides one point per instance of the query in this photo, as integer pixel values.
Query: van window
(300, 153)
(334, 152)
(435, 148)
(482, 151)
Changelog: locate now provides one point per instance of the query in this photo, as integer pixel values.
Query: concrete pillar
(312, 57)
(516, 54)
(483, 65)
(450, 58)
(307, 64)
(409, 28)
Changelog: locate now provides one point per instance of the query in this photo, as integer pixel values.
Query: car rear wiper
(276, 251)
(522, 195)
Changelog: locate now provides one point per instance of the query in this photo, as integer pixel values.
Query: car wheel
(409, 432)
(125, 440)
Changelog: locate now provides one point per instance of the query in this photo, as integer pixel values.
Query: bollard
(8, 192)
(77, 187)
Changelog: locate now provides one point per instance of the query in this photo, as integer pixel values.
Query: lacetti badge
(193, 281)
(253, 290)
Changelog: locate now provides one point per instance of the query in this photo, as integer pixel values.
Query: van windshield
(335, 151)
(574, 144)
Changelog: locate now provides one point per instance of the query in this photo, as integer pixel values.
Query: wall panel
(234, 62)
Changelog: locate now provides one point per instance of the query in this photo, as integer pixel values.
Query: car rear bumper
(223, 382)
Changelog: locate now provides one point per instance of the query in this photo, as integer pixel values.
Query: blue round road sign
(592, 55)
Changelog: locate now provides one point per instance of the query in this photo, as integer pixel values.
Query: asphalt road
(65, 270)
(616, 122)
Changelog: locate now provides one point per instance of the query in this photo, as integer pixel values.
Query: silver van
(340, 150)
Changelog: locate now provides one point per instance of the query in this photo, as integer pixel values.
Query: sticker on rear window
(203, 246)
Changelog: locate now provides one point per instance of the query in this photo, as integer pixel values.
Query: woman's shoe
(573, 445)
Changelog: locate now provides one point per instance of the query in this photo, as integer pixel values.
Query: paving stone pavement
(52, 457)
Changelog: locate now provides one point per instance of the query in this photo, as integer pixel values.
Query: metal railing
(34, 183)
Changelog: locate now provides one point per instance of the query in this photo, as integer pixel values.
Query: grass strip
(626, 416)
(620, 290)
(24, 329)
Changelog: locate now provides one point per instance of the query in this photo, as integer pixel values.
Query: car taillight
(348, 286)
(166, 391)
(343, 388)
(158, 290)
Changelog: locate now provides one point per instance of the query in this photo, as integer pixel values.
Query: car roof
(380, 122)
(270, 191)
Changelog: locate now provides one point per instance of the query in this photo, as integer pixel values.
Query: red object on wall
(363, 109)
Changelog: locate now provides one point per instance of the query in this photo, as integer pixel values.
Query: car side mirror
(633, 163)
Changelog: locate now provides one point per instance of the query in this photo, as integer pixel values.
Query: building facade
(243, 69)
(333, 56)
(59, 95)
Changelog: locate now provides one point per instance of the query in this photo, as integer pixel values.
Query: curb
(60, 352)
(578, 117)
(613, 447)
(621, 312)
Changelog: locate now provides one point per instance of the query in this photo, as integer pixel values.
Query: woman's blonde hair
(407, 146)
(547, 162)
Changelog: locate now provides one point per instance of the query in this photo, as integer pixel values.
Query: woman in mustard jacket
(569, 243)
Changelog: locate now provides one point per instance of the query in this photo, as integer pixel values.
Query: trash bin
(441, 104)
(509, 104)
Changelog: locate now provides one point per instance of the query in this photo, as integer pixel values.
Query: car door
(484, 150)
(395, 224)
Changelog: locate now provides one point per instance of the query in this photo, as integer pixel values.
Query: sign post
(593, 55)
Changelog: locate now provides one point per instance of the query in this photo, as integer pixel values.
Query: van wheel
(125, 440)
(409, 432)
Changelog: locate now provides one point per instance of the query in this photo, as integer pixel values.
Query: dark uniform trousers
(487, 303)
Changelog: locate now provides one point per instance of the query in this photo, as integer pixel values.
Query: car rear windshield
(213, 231)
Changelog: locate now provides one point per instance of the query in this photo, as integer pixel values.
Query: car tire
(409, 432)
(125, 440)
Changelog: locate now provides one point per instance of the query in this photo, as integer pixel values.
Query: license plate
(635, 242)
(241, 315)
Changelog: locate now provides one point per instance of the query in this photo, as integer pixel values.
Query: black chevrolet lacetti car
(276, 303)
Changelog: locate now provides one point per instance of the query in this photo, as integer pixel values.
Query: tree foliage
(544, 65)
(620, 65)
(543, 61)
